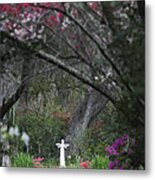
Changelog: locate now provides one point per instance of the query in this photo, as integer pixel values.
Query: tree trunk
(28, 72)
(91, 106)
(6, 106)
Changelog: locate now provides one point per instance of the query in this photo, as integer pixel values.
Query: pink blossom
(26, 4)
(36, 162)
(53, 18)
(60, 15)
(39, 159)
(86, 164)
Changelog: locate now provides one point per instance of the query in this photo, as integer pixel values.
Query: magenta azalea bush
(120, 152)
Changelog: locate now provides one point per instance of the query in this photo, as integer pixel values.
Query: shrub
(44, 132)
(120, 152)
(38, 162)
(100, 162)
(22, 160)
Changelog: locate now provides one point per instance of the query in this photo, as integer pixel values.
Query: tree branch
(128, 86)
(79, 75)
(60, 64)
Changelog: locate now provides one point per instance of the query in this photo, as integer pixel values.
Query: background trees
(76, 63)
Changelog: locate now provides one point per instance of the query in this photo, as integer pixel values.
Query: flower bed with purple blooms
(120, 152)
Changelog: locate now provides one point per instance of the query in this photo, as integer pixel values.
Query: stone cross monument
(62, 147)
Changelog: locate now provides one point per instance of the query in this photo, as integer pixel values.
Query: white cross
(62, 147)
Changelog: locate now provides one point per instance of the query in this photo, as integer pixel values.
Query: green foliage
(73, 162)
(97, 162)
(100, 162)
(51, 163)
(44, 132)
(22, 160)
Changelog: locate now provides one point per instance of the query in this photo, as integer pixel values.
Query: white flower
(96, 78)
(16, 131)
(102, 78)
(113, 83)
(14, 25)
(39, 36)
(25, 138)
(69, 157)
(11, 131)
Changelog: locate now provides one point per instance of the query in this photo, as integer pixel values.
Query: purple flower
(107, 148)
(115, 146)
(130, 151)
(119, 141)
(115, 153)
(119, 150)
(125, 137)
(117, 161)
(111, 165)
